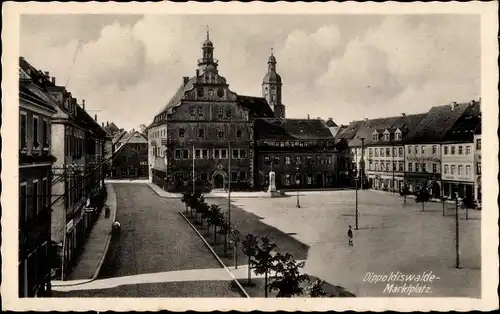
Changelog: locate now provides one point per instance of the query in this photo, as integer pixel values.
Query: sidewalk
(90, 261)
(163, 193)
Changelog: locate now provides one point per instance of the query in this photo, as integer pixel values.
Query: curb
(216, 256)
(109, 187)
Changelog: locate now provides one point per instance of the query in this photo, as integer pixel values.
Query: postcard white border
(489, 93)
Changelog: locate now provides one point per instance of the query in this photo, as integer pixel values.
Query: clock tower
(271, 88)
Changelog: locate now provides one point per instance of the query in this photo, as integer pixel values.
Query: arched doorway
(219, 180)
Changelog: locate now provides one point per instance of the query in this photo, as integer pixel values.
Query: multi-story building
(77, 175)
(423, 147)
(384, 150)
(295, 149)
(477, 165)
(457, 155)
(130, 159)
(35, 177)
(346, 156)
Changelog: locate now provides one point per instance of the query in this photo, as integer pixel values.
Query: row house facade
(459, 158)
(301, 152)
(477, 165)
(77, 184)
(381, 144)
(346, 157)
(130, 159)
(426, 149)
(35, 178)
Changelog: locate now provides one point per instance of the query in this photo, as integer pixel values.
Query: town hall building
(209, 135)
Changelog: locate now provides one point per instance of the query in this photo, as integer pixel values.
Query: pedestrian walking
(350, 235)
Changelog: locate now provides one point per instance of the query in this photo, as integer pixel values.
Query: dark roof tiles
(291, 129)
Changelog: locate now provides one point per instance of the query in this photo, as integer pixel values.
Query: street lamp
(457, 233)
(362, 161)
(297, 181)
(357, 213)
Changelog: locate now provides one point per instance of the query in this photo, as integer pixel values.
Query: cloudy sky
(342, 66)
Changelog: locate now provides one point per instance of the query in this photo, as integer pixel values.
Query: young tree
(287, 279)
(423, 196)
(215, 218)
(224, 229)
(264, 259)
(316, 290)
(186, 196)
(250, 246)
(203, 210)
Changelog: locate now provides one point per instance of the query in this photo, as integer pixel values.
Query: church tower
(207, 51)
(271, 88)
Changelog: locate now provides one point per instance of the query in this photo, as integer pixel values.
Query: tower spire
(208, 33)
(272, 51)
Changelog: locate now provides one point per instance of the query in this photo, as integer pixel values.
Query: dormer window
(375, 136)
(387, 135)
(398, 135)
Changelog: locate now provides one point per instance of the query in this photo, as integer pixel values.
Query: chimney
(197, 72)
(403, 114)
(330, 119)
(53, 79)
(83, 104)
(366, 119)
(185, 80)
(107, 123)
(307, 116)
(453, 106)
(102, 124)
(95, 116)
(47, 74)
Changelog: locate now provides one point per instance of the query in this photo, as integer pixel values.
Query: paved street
(157, 254)
(392, 237)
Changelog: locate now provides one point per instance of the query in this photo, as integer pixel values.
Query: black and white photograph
(313, 155)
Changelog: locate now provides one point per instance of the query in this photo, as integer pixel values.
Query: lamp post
(357, 213)
(229, 156)
(457, 234)
(362, 161)
(297, 181)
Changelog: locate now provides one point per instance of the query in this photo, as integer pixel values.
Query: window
(235, 153)
(197, 153)
(401, 166)
(410, 167)
(370, 165)
(287, 160)
(297, 160)
(238, 133)
(204, 153)
(478, 144)
(221, 113)
(460, 170)
(401, 151)
(43, 194)
(181, 132)
(467, 170)
(23, 203)
(398, 135)
(23, 128)
(375, 137)
(45, 132)
(376, 166)
(266, 158)
(192, 111)
(460, 150)
(185, 154)
(434, 168)
(423, 149)
(216, 154)
(446, 150)
(223, 153)
(417, 167)
(200, 111)
(220, 133)
(409, 149)
(36, 143)
(382, 152)
(382, 166)
(370, 152)
(387, 167)
(388, 152)
(416, 150)
(453, 150)
(393, 166)
(467, 150)
(228, 113)
(243, 175)
(446, 169)
(434, 149)
(201, 133)
(243, 153)
(234, 176)
(277, 160)
(424, 167)
(35, 191)
(452, 169)
(376, 152)
(478, 168)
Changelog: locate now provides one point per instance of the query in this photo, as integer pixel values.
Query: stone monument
(272, 192)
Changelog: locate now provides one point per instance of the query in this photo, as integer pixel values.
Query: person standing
(350, 236)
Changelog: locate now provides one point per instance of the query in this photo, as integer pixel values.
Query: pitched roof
(330, 123)
(291, 129)
(436, 123)
(179, 94)
(347, 132)
(465, 127)
(118, 137)
(258, 106)
(112, 128)
(134, 137)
